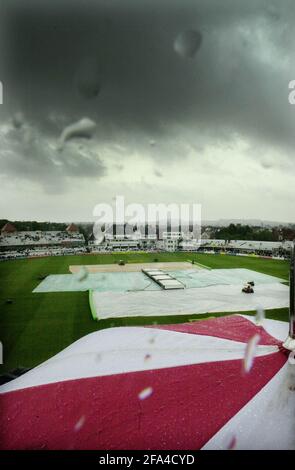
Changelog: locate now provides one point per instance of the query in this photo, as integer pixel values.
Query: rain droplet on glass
(260, 315)
(188, 43)
(79, 424)
(232, 443)
(18, 120)
(81, 129)
(250, 353)
(145, 393)
(88, 79)
(82, 274)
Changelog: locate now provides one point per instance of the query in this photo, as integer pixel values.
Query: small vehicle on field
(248, 288)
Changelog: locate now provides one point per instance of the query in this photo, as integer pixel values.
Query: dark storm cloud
(26, 153)
(237, 84)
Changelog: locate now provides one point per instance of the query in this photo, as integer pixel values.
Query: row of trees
(231, 232)
(33, 225)
(247, 232)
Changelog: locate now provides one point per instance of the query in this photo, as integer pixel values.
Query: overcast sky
(215, 129)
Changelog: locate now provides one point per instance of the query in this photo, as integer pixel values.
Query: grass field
(34, 327)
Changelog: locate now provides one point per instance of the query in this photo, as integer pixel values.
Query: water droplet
(250, 353)
(82, 129)
(145, 393)
(232, 443)
(187, 43)
(147, 357)
(260, 315)
(98, 357)
(79, 424)
(18, 120)
(158, 174)
(82, 274)
(152, 338)
(88, 79)
(267, 162)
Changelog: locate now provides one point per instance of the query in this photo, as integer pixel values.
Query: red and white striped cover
(160, 387)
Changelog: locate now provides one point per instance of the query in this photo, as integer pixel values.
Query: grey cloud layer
(27, 154)
(237, 85)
